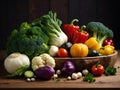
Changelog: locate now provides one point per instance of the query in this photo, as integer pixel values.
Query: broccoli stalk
(99, 31)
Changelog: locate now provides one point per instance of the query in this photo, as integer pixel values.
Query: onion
(68, 68)
(45, 72)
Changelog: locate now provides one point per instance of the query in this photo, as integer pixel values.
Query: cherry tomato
(62, 52)
(97, 69)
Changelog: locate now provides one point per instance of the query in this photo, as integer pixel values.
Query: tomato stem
(97, 64)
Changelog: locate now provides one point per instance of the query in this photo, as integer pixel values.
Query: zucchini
(29, 74)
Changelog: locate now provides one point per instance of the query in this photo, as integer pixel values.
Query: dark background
(13, 12)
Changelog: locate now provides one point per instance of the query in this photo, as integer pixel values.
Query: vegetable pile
(35, 38)
(32, 47)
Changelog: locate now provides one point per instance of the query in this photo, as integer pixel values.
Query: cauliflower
(42, 60)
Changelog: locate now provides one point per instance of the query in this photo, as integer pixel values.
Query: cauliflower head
(42, 60)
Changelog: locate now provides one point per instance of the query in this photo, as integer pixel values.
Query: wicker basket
(86, 62)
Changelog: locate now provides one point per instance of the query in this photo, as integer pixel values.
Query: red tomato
(97, 70)
(62, 52)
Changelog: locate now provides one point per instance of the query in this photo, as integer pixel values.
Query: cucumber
(29, 74)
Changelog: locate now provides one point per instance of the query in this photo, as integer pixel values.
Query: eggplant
(67, 46)
(68, 68)
(45, 72)
(92, 53)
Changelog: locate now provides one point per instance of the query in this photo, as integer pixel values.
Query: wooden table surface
(101, 82)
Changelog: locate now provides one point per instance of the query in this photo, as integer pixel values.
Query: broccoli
(30, 40)
(99, 31)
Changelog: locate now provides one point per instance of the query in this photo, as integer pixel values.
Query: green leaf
(89, 78)
(110, 71)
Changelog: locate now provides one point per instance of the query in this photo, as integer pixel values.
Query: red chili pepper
(108, 42)
(80, 36)
(69, 29)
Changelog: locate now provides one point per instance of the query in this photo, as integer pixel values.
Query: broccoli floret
(24, 26)
(11, 43)
(28, 40)
(99, 31)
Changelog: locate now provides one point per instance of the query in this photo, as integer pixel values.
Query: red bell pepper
(80, 36)
(97, 69)
(69, 29)
(108, 42)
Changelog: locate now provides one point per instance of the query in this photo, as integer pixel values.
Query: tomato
(62, 52)
(97, 69)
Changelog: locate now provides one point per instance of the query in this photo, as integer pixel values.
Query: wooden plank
(61, 8)
(38, 8)
(84, 10)
(22, 10)
(101, 82)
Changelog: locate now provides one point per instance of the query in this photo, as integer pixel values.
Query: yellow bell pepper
(107, 50)
(79, 50)
(92, 43)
